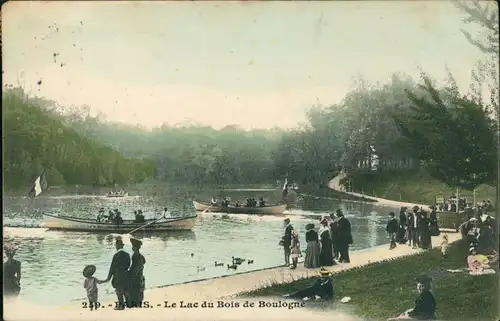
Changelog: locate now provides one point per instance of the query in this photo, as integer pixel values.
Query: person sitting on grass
(480, 264)
(321, 290)
(425, 304)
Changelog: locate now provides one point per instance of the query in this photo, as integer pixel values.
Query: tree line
(36, 139)
(401, 125)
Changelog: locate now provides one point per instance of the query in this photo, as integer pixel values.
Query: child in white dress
(444, 245)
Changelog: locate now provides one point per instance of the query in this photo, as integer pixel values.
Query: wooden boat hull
(269, 210)
(67, 223)
(116, 196)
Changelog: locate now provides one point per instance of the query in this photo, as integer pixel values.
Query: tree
(485, 15)
(453, 137)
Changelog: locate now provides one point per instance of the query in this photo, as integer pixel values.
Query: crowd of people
(414, 227)
(330, 243)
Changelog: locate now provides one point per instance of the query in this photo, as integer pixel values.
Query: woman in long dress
(312, 251)
(425, 233)
(434, 228)
(136, 276)
(326, 255)
(11, 272)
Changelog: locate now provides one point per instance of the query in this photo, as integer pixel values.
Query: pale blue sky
(258, 64)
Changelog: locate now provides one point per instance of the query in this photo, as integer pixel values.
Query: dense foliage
(398, 126)
(33, 139)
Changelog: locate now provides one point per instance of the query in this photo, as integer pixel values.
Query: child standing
(444, 245)
(392, 229)
(295, 249)
(90, 285)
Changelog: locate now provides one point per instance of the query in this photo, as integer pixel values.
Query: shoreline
(225, 288)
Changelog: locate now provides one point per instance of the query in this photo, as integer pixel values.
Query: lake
(53, 261)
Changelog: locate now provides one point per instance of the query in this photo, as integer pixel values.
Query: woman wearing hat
(136, 276)
(11, 272)
(326, 253)
(312, 251)
(425, 304)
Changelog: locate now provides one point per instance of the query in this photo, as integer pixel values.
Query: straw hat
(471, 249)
(323, 272)
(89, 270)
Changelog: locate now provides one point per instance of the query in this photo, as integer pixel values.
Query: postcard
(250, 160)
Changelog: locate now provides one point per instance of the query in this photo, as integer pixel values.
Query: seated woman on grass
(425, 304)
(321, 290)
(481, 264)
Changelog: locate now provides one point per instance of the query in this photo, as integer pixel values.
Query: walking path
(334, 184)
(218, 289)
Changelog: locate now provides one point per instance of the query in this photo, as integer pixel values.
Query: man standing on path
(344, 237)
(333, 236)
(413, 227)
(119, 272)
(287, 240)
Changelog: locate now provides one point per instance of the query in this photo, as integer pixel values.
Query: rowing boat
(275, 209)
(116, 195)
(68, 223)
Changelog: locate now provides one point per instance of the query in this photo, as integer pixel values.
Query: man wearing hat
(321, 289)
(136, 276)
(344, 237)
(425, 304)
(287, 240)
(119, 272)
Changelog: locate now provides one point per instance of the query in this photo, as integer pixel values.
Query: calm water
(52, 261)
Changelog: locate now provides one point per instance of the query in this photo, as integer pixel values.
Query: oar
(205, 210)
(164, 212)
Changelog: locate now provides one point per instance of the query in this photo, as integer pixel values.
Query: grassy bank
(382, 290)
(411, 186)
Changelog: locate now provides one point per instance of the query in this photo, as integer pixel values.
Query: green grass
(412, 186)
(383, 290)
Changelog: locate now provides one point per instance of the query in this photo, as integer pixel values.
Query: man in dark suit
(287, 240)
(413, 227)
(119, 272)
(333, 236)
(344, 237)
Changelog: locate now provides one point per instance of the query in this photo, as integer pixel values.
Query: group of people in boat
(330, 243)
(116, 216)
(126, 274)
(250, 202)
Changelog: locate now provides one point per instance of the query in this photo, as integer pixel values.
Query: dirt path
(334, 184)
(212, 290)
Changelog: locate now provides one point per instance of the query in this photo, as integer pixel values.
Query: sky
(253, 64)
